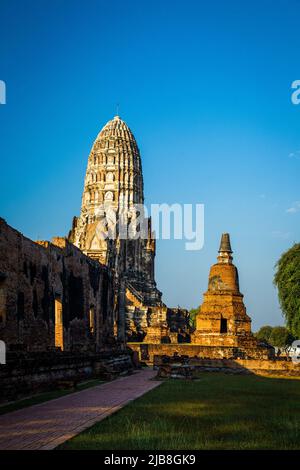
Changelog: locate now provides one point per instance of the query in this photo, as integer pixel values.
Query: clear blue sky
(205, 87)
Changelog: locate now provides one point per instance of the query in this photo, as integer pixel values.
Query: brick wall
(147, 351)
(275, 367)
(39, 278)
(29, 373)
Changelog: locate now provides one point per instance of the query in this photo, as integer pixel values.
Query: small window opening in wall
(20, 306)
(2, 305)
(92, 320)
(59, 328)
(223, 328)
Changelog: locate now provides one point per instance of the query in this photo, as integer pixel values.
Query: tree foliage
(277, 336)
(287, 281)
(264, 333)
(280, 337)
(193, 313)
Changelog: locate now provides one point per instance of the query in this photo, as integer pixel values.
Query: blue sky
(206, 89)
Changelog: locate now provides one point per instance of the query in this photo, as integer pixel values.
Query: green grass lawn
(46, 396)
(217, 411)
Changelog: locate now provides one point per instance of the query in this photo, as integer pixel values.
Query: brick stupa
(222, 319)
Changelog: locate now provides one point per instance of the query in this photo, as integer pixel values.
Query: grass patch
(46, 396)
(217, 411)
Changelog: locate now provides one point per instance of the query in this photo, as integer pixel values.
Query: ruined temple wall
(271, 368)
(158, 324)
(42, 282)
(33, 372)
(147, 351)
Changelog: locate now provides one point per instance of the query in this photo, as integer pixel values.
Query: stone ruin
(114, 185)
(58, 315)
(222, 320)
(81, 306)
(68, 305)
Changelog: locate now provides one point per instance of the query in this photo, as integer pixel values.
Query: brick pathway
(49, 424)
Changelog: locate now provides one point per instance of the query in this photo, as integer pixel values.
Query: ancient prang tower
(113, 187)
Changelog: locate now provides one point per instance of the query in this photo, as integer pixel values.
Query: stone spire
(113, 180)
(225, 243)
(223, 275)
(114, 171)
(223, 310)
(113, 187)
(225, 250)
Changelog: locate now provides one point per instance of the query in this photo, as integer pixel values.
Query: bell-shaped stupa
(222, 318)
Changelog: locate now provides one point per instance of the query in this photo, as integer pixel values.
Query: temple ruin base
(188, 368)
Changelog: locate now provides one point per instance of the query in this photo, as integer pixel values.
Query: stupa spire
(225, 250)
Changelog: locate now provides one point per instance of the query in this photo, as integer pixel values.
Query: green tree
(193, 313)
(264, 333)
(287, 281)
(281, 337)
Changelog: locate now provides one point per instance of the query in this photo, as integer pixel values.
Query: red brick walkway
(49, 424)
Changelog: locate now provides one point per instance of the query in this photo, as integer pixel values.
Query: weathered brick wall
(36, 279)
(157, 324)
(29, 373)
(147, 351)
(275, 367)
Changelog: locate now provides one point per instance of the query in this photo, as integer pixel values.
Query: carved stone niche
(109, 177)
(109, 183)
(109, 196)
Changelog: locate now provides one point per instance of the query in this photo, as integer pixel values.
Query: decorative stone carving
(109, 196)
(120, 187)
